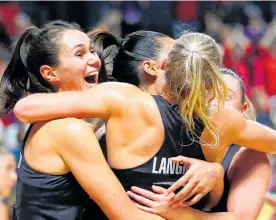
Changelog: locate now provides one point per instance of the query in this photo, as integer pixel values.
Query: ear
(49, 74)
(244, 107)
(163, 64)
(149, 66)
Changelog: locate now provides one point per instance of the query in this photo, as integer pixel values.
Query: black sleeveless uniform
(159, 170)
(152, 172)
(222, 204)
(41, 196)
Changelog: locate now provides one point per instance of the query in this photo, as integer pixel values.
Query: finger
(179, 183)
(146, 209)
(158, 189)
(140, 199)
(181, 159)
(193, 200)
(194, 190)
(145, 193)
(188, 190)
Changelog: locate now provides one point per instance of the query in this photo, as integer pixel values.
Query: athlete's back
(159, 169)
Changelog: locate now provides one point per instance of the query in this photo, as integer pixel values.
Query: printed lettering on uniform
(166, 166)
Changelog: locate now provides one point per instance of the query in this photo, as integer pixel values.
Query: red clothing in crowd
(270, 75)
(238, 66)
(251, 68)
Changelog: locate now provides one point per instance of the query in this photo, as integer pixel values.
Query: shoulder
(115, 88)
(226, 113)
(228, 119)
(115, 94)
(67, 128)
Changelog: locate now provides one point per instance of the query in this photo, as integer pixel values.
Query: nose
(94, 60)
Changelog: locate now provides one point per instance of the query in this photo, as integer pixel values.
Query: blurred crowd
(246, 32)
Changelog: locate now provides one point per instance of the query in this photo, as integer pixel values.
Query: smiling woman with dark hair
(61, 165)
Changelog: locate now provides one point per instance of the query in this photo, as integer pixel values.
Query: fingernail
(206, 209)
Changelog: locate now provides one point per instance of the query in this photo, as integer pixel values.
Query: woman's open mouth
(91, 78)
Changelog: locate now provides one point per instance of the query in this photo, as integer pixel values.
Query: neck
(150, 89)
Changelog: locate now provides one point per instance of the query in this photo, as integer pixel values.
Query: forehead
(232, 83)
(71, 38)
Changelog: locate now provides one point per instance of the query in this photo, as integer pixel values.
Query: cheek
(3, 177)
(234, 104)
(72, 73)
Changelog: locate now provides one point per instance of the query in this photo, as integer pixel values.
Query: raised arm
(77, 145)
(100, 102)
(235, 129)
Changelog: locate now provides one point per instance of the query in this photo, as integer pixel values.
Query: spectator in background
(234, 59)
(4, 36)
(270, 70)
(22, 23)
(7, 181)
(13, 138)
(158, 17)
(256, 24)
(132, 13)
(185, 19)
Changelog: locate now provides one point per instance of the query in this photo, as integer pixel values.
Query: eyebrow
(231, 91)
(83, 45)
(78, 45)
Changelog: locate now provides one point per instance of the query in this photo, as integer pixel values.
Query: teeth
(90, 74)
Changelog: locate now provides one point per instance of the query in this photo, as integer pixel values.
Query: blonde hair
(194, 79)
(250, 112)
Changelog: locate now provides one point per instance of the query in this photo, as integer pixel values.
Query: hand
(200, 179)
(155, 202)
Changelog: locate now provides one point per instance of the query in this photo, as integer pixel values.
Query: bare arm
(97, 102)
(257, 137)
(4, 212)
(77, 145)
(249, 179)
(249, 183)
(233, 128)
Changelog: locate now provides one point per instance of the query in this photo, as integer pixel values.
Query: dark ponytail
(15, 78)
(35, 47)
(136, 48)
(106, 45)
